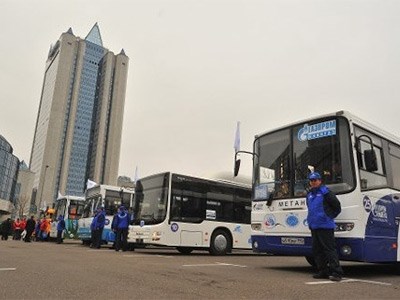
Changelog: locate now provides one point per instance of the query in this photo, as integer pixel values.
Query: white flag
(59, 194)
(136, 178)
(90, 184)
(236, 145)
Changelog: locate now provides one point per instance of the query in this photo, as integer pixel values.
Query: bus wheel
(184, 250)
(311, 261)
(220, 242)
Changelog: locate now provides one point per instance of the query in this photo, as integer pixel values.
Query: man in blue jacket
(60, 228)
(121, 224)
(323, 207)
(97, 227)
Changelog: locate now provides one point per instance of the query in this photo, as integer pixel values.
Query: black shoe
(321, 275)
(335, 277)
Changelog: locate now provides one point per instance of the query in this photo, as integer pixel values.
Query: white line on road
(346, 280)
(8, 269)
(141, 255)
(217, 264)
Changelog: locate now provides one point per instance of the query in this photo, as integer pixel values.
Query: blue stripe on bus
(108, 235)
(86, 234)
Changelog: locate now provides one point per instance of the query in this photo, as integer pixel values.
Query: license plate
(292, 241)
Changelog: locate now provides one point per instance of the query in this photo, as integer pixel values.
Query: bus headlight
(345, 226)
(256, 226)
(156, 235)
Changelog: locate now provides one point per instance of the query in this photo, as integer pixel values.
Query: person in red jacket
(45, 229)
(17, 229)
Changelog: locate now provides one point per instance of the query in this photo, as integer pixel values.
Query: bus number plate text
(292, 241)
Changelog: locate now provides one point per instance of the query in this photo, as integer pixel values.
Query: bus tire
(221, 242)
(311, 261)
(184, 250)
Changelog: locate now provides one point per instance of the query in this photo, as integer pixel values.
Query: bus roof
(70, 197)
(352, 119)
(97, 189)
(216, 180)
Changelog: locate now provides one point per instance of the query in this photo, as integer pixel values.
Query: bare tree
(21, 206)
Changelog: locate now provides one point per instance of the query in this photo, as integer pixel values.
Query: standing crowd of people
(39, 230)
(30, 229)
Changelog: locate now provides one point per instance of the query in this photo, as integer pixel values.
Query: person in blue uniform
(97, 227)
(323, 207)
(60, 228)
(121, 224)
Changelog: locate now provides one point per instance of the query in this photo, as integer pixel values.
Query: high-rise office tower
(79, 122)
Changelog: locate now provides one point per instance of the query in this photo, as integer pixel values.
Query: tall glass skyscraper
(79, 122)
(8, 176)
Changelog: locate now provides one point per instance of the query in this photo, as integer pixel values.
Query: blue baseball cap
(314, 175)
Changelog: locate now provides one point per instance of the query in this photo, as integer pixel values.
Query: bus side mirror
(371, 163)
(237, 166)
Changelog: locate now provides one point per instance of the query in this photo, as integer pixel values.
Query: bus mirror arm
(237, 161)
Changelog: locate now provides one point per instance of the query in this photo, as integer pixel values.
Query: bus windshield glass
(75, 209)
(114, 199)
(151, 196)
(286, 157)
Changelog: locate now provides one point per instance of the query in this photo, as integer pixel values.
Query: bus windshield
(151, 196)
(114, 199)
(285, 157)
(75, 209)
(91, 205)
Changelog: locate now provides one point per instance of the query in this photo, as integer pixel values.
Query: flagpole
(236, 144)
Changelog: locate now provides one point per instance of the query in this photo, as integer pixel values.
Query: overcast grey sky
(197, 67)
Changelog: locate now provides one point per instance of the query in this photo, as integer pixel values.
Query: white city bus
(192, 213)
(359, 162)
(110, 198)
(71, 207)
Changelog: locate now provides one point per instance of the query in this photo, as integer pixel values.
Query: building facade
(79, 122)
(8, 177)
(23, 191)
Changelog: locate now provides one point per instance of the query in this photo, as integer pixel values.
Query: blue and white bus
(71, 207)
(110, 198)
(359, 162)
(192, 213)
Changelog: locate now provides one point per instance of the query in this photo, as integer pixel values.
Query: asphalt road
(47, 270)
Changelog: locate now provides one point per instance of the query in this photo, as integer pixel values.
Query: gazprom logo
(316, 131)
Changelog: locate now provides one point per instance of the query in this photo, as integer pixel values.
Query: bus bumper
(348, 249)
(293, 245)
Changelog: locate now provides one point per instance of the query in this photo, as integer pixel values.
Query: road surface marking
(217, 264)
(146, 255)
(8, 269)
(346, 280)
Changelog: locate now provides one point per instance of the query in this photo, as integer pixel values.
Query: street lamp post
(41, 191)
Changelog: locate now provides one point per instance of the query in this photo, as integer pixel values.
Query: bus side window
(371, 178)
(176, 208)
(192, 210)
(394, 156)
